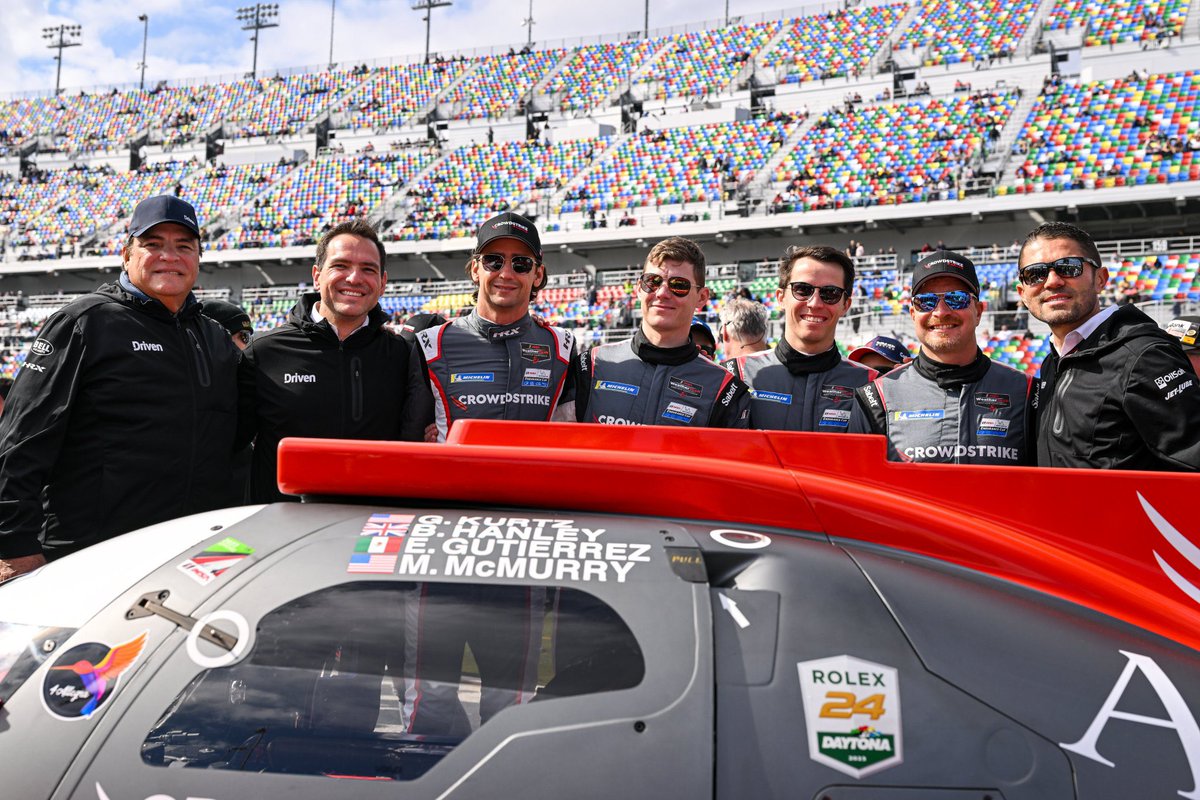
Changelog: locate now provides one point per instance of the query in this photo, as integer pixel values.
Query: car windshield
(23, 648)
(383, 679)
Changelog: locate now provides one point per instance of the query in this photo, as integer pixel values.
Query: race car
(587, 611)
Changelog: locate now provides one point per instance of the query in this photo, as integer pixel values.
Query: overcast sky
(194, 38)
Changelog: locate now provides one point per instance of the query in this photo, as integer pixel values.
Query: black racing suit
(980, 413)
(1125, 398)
(636, 383)
(791, 391)
(300, 380)
(480, 370)
(123, 416)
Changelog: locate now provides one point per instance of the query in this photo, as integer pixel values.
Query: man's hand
(19, 566)
(431, 432)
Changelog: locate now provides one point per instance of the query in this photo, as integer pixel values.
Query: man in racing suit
(499, 363)
(659, 377)
(332, 370)
(124, 413)
(1115, 392)
(953, 404)
(804, 384)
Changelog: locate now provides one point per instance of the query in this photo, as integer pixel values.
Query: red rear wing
(1122, 543)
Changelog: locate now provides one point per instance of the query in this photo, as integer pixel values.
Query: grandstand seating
(704, 62)
(499, 83)
(475, 179)
(1112, 21)
(885, 154)
(397, 92)
(1126, 131)
(956, 31)
(594, 72)
(831, 45)
(677, 165)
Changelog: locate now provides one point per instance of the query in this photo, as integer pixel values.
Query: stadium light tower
(59, 38)
(257, 17)
(145, 20)
(529, 23)
(646, 30)
(428, 6)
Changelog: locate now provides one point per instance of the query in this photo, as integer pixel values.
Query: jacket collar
(671, 356)
(952, 376)
(798, 363)
(301, 316)
(124, 291)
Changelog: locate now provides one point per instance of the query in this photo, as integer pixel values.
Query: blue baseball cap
(891, 349)
(163, 208)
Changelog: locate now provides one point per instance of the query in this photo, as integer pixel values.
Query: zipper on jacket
(356, 389)
(202, 373)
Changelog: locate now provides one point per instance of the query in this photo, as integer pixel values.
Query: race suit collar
(798, 363)
(952, 376)
(499, 333)
(671, 356)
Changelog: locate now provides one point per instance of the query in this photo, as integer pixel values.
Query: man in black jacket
(1116, 392)
(124, 412)
(332, 370)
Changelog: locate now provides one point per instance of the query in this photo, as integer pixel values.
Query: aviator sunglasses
(956, 300)
(1068, 267)
(828, 294)
(494, 262)
(651, 283)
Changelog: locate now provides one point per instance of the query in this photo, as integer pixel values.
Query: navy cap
(510, 226)
(944, 262)
(891, 349)
(163, 208)
(419, 322)
(233, 318)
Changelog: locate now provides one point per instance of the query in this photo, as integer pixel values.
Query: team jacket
(635, 383)
(976, 414)
(300, 380)
(1125, 398)
(123, 415)
(480, 370)
(791, 391)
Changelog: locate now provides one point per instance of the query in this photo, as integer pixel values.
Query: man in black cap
(1114, 392)
(498, 362)
(333, 370)
(124, 413)
(953, 404)
(233, 319)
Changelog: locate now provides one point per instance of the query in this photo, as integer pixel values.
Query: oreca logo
(41, 347)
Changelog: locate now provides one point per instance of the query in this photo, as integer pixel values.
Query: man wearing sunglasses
(1115, 392)
(952, 405)
(804, 384)
(498, 363)
(659, 376)
(333, 370)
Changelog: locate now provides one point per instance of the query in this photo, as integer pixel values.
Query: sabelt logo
(41, 347)
(871, 395)
(730, 393)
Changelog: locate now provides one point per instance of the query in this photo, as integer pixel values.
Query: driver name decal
(852, 712)
(516, 548)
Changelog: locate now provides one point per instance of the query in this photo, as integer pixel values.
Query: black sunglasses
(956, 300)
(494, 262)
(1068, 267)
(651, 283)
(829, 294)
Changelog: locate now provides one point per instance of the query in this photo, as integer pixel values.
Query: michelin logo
(472, 377)
(613, 386)
(772, 397)
(928, 414)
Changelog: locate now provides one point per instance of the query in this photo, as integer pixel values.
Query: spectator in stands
(332, 370)
(233, 318)
(1115, 391)
(124, 414)
(658, 376)
(498, 362)
(882, 354)
(743, 327)
(804, 384)
(952, 404)
(702, 336)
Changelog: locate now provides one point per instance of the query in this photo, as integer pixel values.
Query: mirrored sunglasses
(956, 300)
(651, 283)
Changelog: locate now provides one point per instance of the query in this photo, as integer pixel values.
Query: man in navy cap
(124, 413)
(882, 354)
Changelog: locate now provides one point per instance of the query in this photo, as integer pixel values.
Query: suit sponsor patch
(472, 377)
(932, 413)
(685, 388)
(614, 386)
(835, 418)
(680, 412)
(536, 376)
(772, 397)
(992, 400)
(837, 393)
(993, 426)
(537, 353)
(41, 347)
